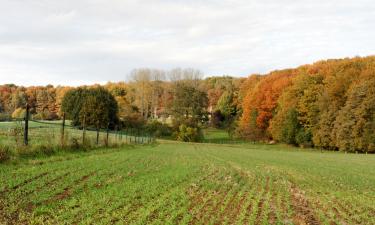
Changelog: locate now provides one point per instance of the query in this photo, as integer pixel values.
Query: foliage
(225, 104)
(5, 117)
(133, 121)
(46, 115)
(261, 98)
(4, 153)
(217, 119)
(158, 129)
(328, 104)
(355, 124)
(19, 113)
(189, 134)
(251, 131)
(292, 132)
(90, 107)
(189, 102)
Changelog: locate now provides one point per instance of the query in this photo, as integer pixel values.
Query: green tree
(225, 104)
(189, 102)
(94, 107)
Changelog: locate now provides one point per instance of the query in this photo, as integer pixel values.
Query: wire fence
(36, 132)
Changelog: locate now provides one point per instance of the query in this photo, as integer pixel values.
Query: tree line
(174, 103)
(329, 104)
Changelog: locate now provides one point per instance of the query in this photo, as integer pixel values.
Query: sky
(75, 42)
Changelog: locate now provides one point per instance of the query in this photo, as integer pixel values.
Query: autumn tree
(262, 98)
(355, 124)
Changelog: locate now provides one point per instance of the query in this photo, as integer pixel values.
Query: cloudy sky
(74, 42)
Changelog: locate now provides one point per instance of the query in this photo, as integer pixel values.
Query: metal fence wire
(28, 131)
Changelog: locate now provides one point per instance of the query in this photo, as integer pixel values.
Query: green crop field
(181, 183)
(49, 133)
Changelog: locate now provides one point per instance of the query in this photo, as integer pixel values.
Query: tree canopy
(95, 107)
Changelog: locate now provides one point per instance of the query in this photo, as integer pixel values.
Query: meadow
(190, 183)
(45, 138)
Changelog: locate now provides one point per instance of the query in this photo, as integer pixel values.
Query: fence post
(84, 130)
(107, 134)
(97, 136)
(26, 131)
(63, 130)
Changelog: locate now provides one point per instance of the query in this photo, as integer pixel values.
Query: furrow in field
(214, 210)
(25, 182)
(272, 215)
(350, 210)
(261, 201)
(128, 211)
(201, 203)
(330, 209)
(151, 210)
(205, 203)
(237, 207)
(233, 204)
(303, 213)
(68, 190)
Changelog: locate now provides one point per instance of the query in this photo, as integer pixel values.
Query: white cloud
(91, 41)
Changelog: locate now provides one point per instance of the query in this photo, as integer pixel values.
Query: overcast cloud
(74, 42)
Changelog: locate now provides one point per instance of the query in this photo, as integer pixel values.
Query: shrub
(17, 133)
(46, 149)
(4, 153)
(158, 129)
(217, 119)
(304, 138)
(45, 115)
(74, 143)
(133, 121)
(5, 117)
(189, 134)
(23, 150)
(19, 113)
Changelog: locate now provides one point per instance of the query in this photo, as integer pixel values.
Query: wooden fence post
(84, 130)
(26, 131)
(107, 135)
(97, 135)
(63, 130)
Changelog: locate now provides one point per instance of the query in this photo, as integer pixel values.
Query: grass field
(181, 183)
(49, 133)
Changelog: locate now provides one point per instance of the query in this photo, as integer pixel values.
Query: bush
(46, 115)
(5, 117)
(189, 122)
(46, 149)
(74, 143)
(304, 138)
(19, 113)
(4, 153)
(188, 134)
(23, 150)
(217, 119)
(133, 121)
(158, 129)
